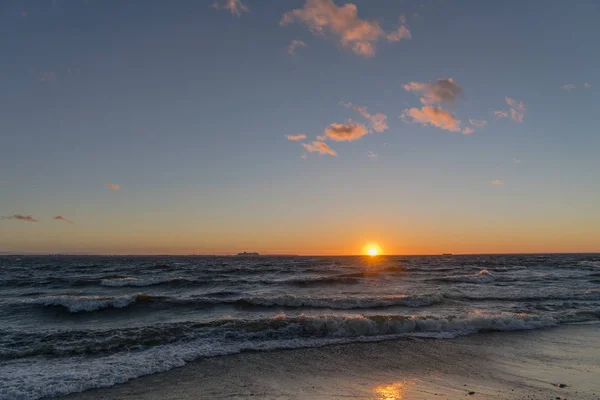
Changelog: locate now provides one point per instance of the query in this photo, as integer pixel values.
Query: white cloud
(319, 147)
(517, 109)
(377, 122)
(435, 116)
(295, 138)
(293, 45)
(445, 90)
(478, 123)
(236, 7)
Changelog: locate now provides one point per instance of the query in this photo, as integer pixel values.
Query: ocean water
(73, 323)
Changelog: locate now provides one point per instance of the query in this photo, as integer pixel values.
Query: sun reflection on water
(395, 391)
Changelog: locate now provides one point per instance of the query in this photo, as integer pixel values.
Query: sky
(299, 126)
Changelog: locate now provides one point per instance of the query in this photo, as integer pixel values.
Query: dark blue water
(72, 323)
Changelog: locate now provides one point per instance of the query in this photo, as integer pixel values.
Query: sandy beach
(516, 365)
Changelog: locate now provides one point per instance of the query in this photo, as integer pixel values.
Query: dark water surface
(73, 323)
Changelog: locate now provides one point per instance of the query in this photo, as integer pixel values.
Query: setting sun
(372, 249)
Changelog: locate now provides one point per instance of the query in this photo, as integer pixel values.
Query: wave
(483, 276)
(77, 304)
(47, 377)
(341, 303)
(140, 282)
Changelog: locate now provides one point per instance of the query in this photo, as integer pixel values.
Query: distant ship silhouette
(246, 254)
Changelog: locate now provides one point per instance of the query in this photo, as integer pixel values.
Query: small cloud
(500, 114)
(293, 45)
(372, 155)
(514, 160)
(304, 156)
(401, 33)
(295, 138)
(468, 131)
(319, 147)
(321, 138)
(19, 217)
(378, 122)
(445, 90)
(349, 131)
(435, 116)
(63, 218)
(517, 109)
(569, 86)
(497, 182)
(478, 123)
(236, 7)
(343, 23)
(587, 85)
(113, 186)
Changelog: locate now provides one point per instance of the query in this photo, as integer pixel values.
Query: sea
(71, 323)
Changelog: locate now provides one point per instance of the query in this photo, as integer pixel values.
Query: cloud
(517, 109)
(468, 131)
(516, 161)
(321, 16)
(319, 147)
(113, 186)
(445, 90)
(295, 138)
(587, 85)
(497, 182)
(349, 131)
(401, 33)
(235, 7)
(26, 218)
(304, 156)
(569, 86)
(500, 114)
(478, 123)
(372, 155)
(293, 45)
(378, 122)
(63, 218)
(322, 138)
(435, 116)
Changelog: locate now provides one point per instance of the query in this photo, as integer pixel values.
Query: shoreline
(494, 365)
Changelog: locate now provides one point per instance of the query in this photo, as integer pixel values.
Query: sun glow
(372, 250)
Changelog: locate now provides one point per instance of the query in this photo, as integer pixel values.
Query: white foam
(136, 282)
(483, 276)
(85, 303)
(39, 377)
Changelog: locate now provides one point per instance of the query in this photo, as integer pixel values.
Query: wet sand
(514, 365)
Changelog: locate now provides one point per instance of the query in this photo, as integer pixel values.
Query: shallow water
(66, 320)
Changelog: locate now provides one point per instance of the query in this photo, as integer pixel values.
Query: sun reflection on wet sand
(395, 391)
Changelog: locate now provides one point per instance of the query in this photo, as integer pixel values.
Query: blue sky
(187, 106)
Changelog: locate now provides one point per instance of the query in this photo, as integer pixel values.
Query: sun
(372, 251)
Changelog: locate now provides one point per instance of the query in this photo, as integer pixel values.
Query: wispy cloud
(402, 33)
(497, 182)
(435, 116)
(113, 186)
(343, 23)
(319, 147)
(478, 123)
(26, 218)
(295, 138)
(468, 130)
(293, 45)
(587, 85)
(569, 86)
(377, 122)
(514, 160)
(372, 155)
(501, 114)
(517, 109)
(63, 218)
(349, 131)
(445, 90)
(236, 7)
